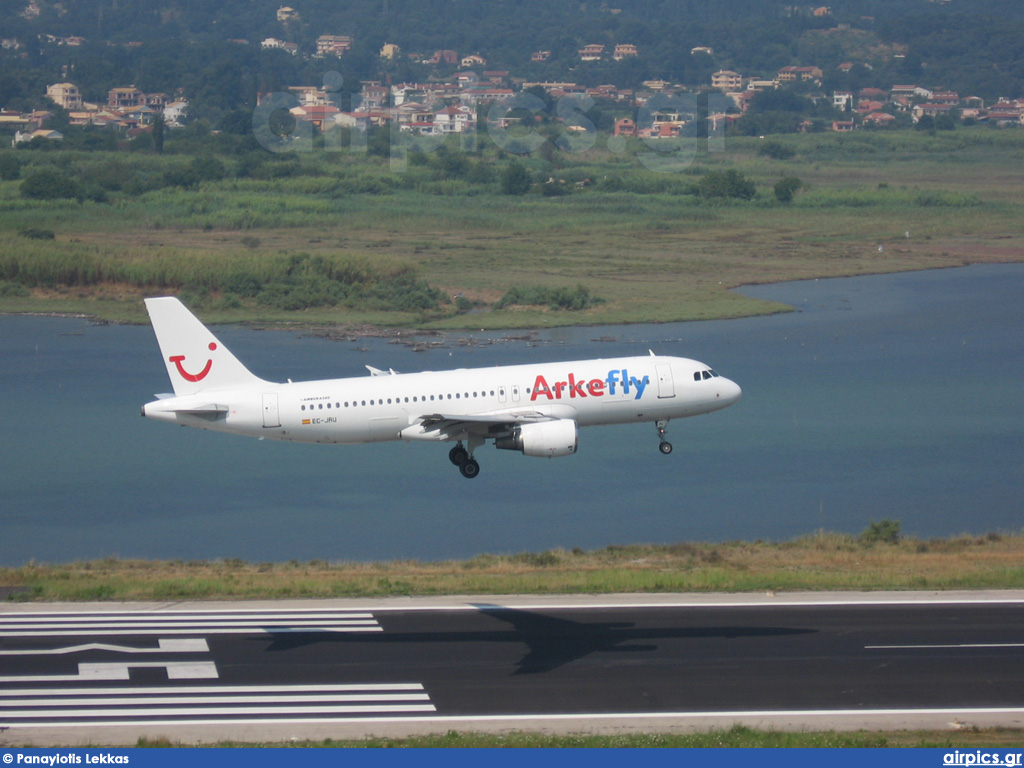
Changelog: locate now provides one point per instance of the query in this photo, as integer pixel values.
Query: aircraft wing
(444, 426)
(502, 418)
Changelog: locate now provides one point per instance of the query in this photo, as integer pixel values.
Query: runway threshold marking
(185, 645)
(33, 707)
(186, 622)
(117, 670)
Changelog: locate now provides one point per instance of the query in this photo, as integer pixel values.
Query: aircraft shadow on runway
(552, 641)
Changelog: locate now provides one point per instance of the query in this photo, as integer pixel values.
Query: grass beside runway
(878, 559)
(736, 737)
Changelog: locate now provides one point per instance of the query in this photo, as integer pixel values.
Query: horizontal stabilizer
(167, 409)
(201, 410)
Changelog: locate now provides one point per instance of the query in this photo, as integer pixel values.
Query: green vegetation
(737, 737)
(554, 298)
(880, 558)
(201, 49)
(882, 532)
(351, 237)
(726, 184)
(785, 188)
(515, 180)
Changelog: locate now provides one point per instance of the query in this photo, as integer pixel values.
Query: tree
(786, 187)
(49, 184)
(881, 532)
(158, 134)
(726, 184)
(10, 168)
(515, 180)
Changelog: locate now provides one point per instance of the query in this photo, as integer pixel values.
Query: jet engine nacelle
(546, 439)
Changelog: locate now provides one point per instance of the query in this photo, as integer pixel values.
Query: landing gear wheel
(665, 447)
(458, 455)
(470, 468)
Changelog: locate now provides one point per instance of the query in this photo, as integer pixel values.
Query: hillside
(212, 53)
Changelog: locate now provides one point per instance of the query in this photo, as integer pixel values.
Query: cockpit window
(705, 375)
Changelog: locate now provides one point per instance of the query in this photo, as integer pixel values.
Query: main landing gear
(467, 465)
(665, 447)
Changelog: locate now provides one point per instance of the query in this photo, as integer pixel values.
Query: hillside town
(452, 102)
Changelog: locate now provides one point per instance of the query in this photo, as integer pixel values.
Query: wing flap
(494, 418)
(449, 426)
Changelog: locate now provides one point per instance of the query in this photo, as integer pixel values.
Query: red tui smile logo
(193, 377)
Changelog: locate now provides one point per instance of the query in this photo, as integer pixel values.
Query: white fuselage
(401, 406)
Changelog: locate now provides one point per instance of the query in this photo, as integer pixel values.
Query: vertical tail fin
(195, 358)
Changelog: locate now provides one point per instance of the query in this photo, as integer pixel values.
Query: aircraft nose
(731, 391)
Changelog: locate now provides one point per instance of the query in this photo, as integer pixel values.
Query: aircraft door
(271, 416)
(666, 387)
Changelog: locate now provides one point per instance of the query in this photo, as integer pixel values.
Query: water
(883, 397)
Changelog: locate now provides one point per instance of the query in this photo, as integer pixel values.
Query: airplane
(536, 409)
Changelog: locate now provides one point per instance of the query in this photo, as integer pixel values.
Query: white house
(454, 120)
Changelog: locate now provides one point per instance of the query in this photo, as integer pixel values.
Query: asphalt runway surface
(107, 674)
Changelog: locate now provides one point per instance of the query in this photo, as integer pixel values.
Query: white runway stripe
(186, 622)
(214, 711)
(270, 698)
(201, 612)
(69, 618)
(117, 670)
(33, 706)
(268, 629)
(214, 689)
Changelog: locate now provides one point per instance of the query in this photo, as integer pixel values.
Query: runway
(107, 674)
